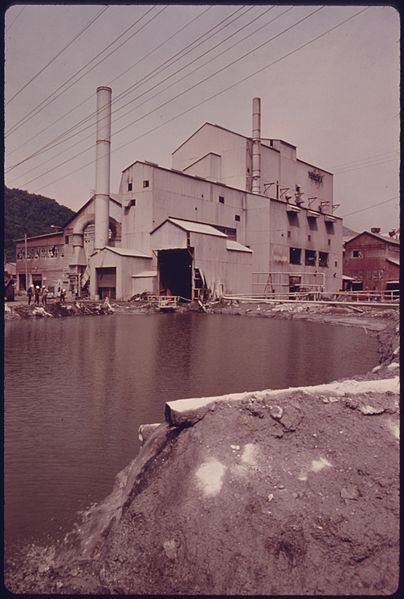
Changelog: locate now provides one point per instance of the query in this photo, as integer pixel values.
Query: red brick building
(372, 261)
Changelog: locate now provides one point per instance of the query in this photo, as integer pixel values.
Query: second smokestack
(102, 167)
(256, 148)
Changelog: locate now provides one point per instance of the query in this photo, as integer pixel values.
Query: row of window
(146, 183)
(369, 253)
(371, 275)
(293, 219)
(310, 257)
(36, 252)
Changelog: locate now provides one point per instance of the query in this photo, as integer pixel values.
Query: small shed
(197, 261)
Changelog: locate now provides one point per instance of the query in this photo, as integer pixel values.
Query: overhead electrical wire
(370, 207)
(195, 85)
(92, 20)
(182, 113)
(51, 99)
(57, 141)
(91, 96)
(148, 76)
(365, 159)
(367, 165)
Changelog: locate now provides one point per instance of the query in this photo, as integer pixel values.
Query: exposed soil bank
(276, 492)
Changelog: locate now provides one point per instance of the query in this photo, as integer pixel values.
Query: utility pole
(26, 262)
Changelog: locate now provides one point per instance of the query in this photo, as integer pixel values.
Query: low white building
(235, 214)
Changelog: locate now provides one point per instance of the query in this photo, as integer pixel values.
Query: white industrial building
(234, 214)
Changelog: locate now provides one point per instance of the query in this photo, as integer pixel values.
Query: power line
(92, 20)
(15, 18)
(195, 85)
(112, 81)
(87, 118)
(49, 99)
(60, 139)
(370, 207)
(367, 165)
(365, 159)
(216, 94)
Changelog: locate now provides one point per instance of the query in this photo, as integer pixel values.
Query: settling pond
(77, 390)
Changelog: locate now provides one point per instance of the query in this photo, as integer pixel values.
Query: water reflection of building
(234, 214)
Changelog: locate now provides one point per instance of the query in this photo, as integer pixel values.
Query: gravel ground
(287, 492)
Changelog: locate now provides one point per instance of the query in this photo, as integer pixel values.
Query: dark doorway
(22, 283)
(175, 269)
(106, 282)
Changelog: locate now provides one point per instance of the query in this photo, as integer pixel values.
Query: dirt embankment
(290, 491)
(20, 310)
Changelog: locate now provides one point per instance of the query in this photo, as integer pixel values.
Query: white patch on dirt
(316, 466)
(393, 366)
(394, 427)
(210, 477)
(249, 454)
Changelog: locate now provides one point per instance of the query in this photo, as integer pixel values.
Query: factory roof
(145, 274)
(113, 197)
(263, 139)
(377, 236)
(51, 234)
(237, 247)
(128, 252)
(392, 261)
(193, 227)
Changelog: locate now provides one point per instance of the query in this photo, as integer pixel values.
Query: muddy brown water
(77, 390)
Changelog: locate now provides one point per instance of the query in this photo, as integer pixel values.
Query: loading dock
(106, 282)
(175, 272)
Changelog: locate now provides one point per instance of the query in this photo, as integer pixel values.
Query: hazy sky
(336, 98)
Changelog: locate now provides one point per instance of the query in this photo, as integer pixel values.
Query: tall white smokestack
(256, 149)
(102, 167)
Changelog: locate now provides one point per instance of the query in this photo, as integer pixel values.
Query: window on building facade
(295, 255)
(66, 239)
(310, 257)
(221, 199)
(293, 219)
(230, 232)
(146, 183)
(356, 254)
(289, 233)
(237, 218)
(323, 258)
(312, 222)
(329, 228)
(329, 242)
(308, 237)
(130, 186)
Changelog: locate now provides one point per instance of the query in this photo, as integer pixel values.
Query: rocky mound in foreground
(274, 492)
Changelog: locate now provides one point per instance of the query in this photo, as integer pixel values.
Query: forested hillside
(31, 214)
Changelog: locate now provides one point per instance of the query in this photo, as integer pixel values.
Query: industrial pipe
(256, 149)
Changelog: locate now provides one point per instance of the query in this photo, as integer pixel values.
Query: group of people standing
(41, 294)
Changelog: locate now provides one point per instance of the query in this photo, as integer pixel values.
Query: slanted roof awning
(234, 246)
(346, 278)
(127, 252)
(145, 274)
(329, 218)
(312, 214)
(292, 208)
(393, 261)
(194, 227)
